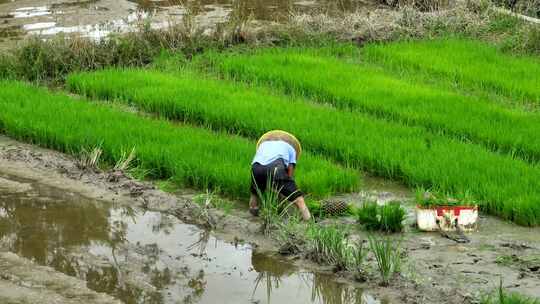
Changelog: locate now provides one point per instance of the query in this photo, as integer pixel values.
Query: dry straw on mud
(422, 5)
(89, 159)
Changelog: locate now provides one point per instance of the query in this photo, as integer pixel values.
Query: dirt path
(437, 270)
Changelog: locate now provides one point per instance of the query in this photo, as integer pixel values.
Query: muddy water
(149, 257)
(98, 18)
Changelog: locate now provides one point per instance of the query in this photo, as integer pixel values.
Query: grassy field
(466, 63)
(188, 155)
(507, 187)
(327, 79)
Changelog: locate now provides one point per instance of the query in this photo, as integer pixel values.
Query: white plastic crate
(447, 218)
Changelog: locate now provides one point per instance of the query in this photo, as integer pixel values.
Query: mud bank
(109, 242)
(142, 224)
(139, 256)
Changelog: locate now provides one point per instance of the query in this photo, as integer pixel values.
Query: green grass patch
(187, 155)
(506, 187)
(348, 85)
(466, 63)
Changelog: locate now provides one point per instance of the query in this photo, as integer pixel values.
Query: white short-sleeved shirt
(269, 151)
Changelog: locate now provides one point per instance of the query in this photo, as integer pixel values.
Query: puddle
(99, 18)
(95, 32)
(150, 257)
(29, 12)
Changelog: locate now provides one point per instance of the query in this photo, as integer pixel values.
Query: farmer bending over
(275, 159)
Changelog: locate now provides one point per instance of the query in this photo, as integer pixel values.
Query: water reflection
(273, 273)
(255, 9)
(38, 231)
(96, 19)
(150, 257)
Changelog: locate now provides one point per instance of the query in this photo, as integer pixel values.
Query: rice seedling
(392, 217)
(125, 160)
(273, 207)
(358, 254)
(503, 186)
(89, 159)
(368, 216)
(187, 155)
(326, 79)
(210, 199)
(329, 245)
(205, 202)
(503, 297)
(467, 63)
(388, 217)
(429, 199)
(387, 253)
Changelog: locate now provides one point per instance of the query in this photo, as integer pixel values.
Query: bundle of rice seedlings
(329, 245)
(387, 218)
(388, 255)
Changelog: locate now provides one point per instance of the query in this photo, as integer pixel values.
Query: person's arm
(290, 170)
(292, 161)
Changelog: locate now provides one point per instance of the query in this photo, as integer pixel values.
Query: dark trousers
(274, 174)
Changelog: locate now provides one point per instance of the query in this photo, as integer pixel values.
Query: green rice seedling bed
(188, 155)
(467, 63)
(507, 187)
(327, 79)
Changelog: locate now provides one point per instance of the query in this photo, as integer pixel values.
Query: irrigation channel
(98, 18)
(137, 256)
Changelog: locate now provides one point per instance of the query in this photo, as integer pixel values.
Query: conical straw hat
(284, 136)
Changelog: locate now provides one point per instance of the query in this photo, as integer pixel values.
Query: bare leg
(301, 204)
(253, 201)
(254, 205)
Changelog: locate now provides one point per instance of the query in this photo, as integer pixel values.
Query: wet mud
(142, 256)
(96, 19)
(127, 252)
(128, 240)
